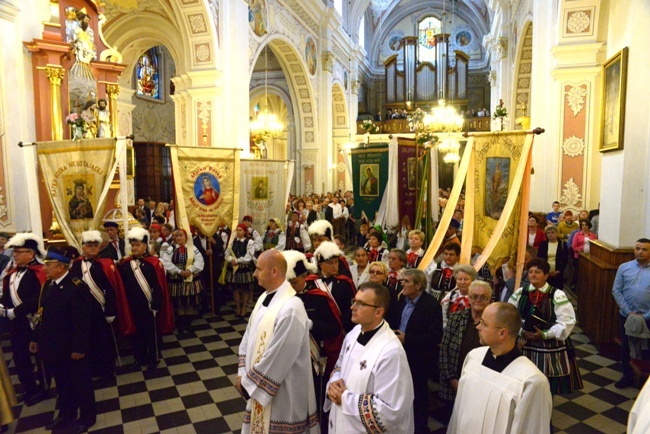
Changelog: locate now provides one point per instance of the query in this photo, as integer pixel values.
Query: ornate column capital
(502, 47)
(54, 74)
(492, 78)
(328, 61)
(355, 86)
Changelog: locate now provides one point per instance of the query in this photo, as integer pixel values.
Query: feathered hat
(28, 240)
(326, 251)
(138, 234)
(91, 237)
(297, 264)
(321, 228)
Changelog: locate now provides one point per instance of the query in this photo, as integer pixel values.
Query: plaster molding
(328, 61)
(8, 11)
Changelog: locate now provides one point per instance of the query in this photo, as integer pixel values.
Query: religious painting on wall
(612, 124)
(147, 74)
(310, 55)
(496, 185)
(257, 17)
(369, 182)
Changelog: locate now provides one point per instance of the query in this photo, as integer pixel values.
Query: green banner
(370, 176)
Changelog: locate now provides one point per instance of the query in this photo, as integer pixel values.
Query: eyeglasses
(375, 272)
(359, 304)
(475, 297)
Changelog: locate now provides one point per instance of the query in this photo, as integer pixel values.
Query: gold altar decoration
(55, 74)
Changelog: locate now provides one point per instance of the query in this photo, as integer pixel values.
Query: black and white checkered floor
(192, 391)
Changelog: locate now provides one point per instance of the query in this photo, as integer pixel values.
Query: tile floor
(192, 390)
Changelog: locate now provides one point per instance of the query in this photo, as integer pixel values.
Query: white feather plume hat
(93, 236)
(321, 228)
(326, 251)
(28, 240)
(297, 264)
(138, 234)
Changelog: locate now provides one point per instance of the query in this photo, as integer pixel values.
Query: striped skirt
(185, 293)
(556, 359)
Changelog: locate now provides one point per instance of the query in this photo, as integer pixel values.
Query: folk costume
(243, 251)
(185, 293)
(548, 309)
(64, 328)
(276, 368)
(146, 289)
(379, 395)
(7, 394)
(274, 238)
(21, 289)
(109, 306)
(297, 237)
(377, 254)
(453, 302)
(514, 400)
(413, 259)
(440, 279)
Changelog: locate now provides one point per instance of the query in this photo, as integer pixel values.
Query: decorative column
(112, 91)
(326, 124)
(55, 74)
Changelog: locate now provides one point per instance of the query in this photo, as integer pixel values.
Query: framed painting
(612, 112)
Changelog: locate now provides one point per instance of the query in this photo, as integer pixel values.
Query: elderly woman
(415, 252)
(456, 299)
(548, 319)
(184, 282)
(378, 272)
(360, 270)
(554, 251)
(459, 338)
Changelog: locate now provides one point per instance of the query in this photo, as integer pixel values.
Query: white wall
(625, 183)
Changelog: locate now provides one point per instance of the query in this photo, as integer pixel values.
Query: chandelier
(266, 124)
(443, 118)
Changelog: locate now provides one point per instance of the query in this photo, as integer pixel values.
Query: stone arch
(189, 30)
(300, 88)
(339, 107)
(274, 90)
(523, 71)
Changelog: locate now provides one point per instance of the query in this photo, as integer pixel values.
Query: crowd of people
(347, 330)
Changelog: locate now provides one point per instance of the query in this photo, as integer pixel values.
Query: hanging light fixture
(266, 124)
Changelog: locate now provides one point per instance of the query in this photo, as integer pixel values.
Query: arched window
(338, 6)
(362, 32)
(148, 74)
(427, 29)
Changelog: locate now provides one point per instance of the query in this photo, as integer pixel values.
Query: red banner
(410, 178)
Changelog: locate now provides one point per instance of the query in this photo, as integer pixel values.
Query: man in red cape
(106, 289)
(21, 289)
(146, 289)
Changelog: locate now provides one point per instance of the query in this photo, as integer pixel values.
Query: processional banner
(369, 177)
(495, 170)
(411, 171)
(498, 173)
(77, 174)
(265, 188)
(206, 184)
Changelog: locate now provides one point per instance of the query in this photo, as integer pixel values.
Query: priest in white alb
(500, 390)
(275, 375)
(370, 389)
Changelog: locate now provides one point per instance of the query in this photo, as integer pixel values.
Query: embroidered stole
(142, 281)
(97, 293)
(260, 416)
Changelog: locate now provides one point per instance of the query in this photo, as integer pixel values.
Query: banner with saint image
(77, 174)
(265, 188)
(370, 176)
(206, 186)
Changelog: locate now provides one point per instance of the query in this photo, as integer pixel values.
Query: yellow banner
(206, 186)
(499, 162)
(76, 173)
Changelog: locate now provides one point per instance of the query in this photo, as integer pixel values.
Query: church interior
(325, 76)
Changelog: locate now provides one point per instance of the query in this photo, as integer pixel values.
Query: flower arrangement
(500, 111)
(79, 123)
(426, 138)
(417, 116)
(370, 127)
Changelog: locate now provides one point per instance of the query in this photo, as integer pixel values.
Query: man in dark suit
(62, 339)
(115, 247)
(22, 286)
(418, 325)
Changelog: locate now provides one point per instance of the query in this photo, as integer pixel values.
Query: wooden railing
(402, 125)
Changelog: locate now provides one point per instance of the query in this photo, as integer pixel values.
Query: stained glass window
(147, 74)
(427, 29)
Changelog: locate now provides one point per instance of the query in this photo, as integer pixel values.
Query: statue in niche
(103, 118)
(71, 24)
(83, 46)
(82, 86)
